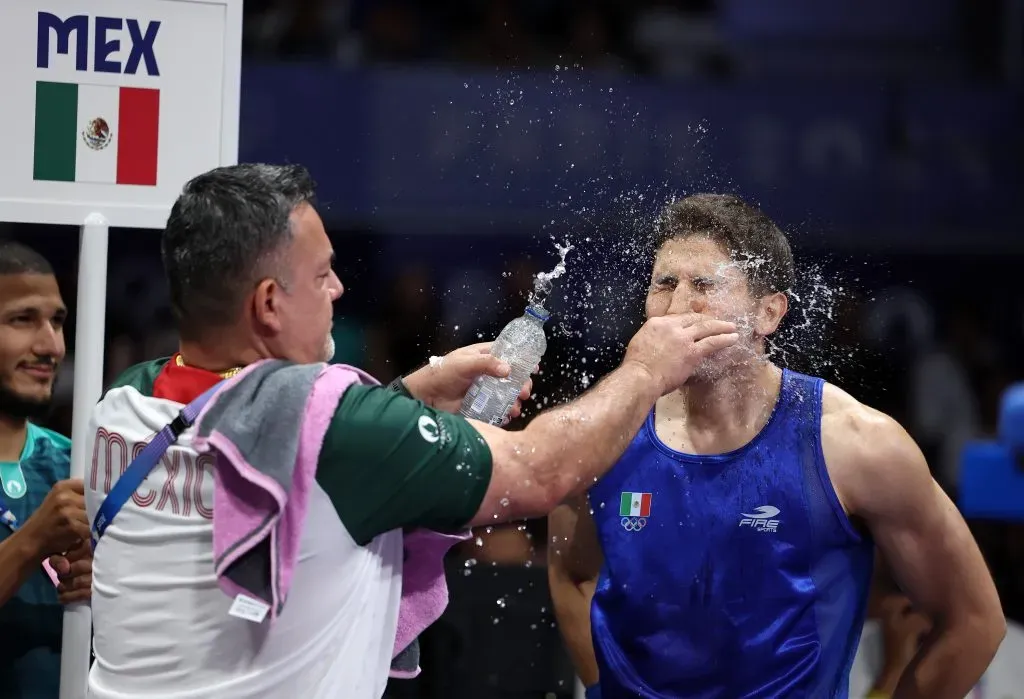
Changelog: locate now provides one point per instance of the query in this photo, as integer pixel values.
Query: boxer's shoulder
(863, 447)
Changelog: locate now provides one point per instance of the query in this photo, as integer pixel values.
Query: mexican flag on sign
(635, 505)
(96, 133)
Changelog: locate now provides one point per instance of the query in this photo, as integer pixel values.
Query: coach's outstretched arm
(934, 558)
(563, 451)
(389, 462)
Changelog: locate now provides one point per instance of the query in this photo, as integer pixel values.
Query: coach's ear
(266, 304)
(773, 309)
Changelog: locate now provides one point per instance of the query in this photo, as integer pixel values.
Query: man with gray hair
(323, 479)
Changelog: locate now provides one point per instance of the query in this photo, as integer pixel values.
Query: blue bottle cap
(538, 312)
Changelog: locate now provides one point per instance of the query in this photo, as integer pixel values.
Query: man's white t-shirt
(162, 627)
(1004, 678)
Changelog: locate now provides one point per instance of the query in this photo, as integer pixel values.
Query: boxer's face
(695, 274)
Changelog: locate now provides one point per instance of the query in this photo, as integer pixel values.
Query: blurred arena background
(454, 142)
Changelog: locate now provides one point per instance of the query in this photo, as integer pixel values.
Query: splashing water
(600, 190)
(609, 281)
(543, 282)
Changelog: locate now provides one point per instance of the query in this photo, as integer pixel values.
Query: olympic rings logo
(633, 524)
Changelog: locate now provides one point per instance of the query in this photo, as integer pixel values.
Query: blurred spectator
(394, 32)
(679, 39)
(498, 38)
(408, 329)
(591, 40)
(673, 38)
(944, 391)
(893, 633)
(868, 373)
(294, 28)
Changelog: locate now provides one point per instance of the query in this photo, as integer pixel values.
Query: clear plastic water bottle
(521, 344)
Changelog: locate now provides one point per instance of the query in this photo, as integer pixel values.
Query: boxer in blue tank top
(728, 553)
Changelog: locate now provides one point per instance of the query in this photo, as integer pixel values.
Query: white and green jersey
(30, 622)
(161, 623)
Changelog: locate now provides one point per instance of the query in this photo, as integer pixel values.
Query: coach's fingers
(524, 395)
(710, 327)
(526, 391)
(476, 348)
(515, 411)
(715, 343)
(486, 364)
(689, 318)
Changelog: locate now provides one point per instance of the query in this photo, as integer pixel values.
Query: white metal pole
(90, 323)
(578, 691)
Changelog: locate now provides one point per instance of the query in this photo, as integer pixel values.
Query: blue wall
(433, 151)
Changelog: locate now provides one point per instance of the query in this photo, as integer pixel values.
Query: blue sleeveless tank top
(731, 575)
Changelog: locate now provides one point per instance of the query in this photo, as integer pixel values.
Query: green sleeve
(390, 462)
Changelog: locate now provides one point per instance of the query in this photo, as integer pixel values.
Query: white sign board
(110, 106)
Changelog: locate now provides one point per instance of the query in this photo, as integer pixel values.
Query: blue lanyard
(145, 462)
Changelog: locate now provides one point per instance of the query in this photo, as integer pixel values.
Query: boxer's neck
(712, 416)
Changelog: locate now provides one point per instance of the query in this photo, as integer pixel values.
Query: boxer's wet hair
(741, 229)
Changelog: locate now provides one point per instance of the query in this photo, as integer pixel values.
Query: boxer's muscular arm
(883, 480)
(574, 561)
